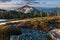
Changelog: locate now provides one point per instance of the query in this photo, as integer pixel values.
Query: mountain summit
(26, 9)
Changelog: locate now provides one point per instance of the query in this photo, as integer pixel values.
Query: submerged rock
(30, 34)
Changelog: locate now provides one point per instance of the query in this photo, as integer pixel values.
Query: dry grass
(38, 22)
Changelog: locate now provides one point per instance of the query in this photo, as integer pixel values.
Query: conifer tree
(54, 12)
(59, 13)
(35, 13)
(48, 14)
(41, 13)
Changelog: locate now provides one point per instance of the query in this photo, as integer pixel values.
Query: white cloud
(5, 0)
(11, 5)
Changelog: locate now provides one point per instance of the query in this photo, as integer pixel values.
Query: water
(2, 20)
(30, 34)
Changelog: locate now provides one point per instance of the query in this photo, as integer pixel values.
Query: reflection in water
(14, 37)
(2, 20)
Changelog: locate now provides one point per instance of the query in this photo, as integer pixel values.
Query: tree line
(9, 14)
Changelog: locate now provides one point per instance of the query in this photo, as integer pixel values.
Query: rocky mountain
(24, 12)
(26, 9)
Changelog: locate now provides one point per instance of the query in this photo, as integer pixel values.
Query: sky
(36, 3)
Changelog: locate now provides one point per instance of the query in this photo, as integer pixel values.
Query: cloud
(11, 5)
(29, 0)
(5, 0)
(46, 5)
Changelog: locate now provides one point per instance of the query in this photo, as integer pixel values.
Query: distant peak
(26, 9)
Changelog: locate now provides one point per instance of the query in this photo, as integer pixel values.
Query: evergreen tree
(41, 13)
(48, 14)
(59, 13)
(35, 13)
(54, 12)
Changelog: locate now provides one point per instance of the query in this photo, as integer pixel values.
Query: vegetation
(11, 14)
(42, 23)
(38, 20)
(6, 29)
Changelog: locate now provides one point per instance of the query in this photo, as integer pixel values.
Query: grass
(42, 22)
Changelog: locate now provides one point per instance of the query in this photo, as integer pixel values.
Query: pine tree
(30, 15)
(54, 12)
(48, 14)
(35, 13)
(59, 13)
(41, 13)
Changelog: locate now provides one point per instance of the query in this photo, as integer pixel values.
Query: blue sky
(30, 0)
(37, 0)
(57, 2)
(18, 3)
